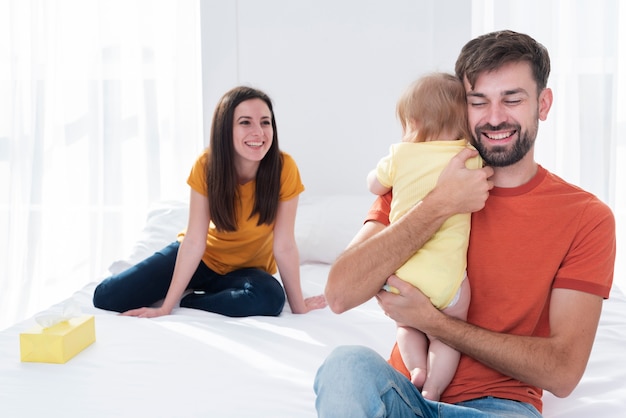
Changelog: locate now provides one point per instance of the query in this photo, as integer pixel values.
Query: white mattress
(194, 363)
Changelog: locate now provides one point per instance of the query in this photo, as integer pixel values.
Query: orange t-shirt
(526, 241)
(251, 245)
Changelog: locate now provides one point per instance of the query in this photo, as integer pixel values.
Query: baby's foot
(430, 396)
(418, 377)
(431, 393)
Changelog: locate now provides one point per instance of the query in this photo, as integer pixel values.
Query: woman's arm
(189, 256)
(363, 268)
(288, 259)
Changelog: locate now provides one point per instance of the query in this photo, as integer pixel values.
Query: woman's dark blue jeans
(244, 292)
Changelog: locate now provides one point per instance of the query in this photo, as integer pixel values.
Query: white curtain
(101, 115)
(101, 105)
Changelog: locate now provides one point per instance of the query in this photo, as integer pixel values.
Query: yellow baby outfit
(412, 170)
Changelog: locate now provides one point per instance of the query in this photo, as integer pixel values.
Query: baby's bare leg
(442, 363)
(442, 359)
(413, 346)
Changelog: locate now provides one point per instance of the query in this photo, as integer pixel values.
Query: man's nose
(497, 114)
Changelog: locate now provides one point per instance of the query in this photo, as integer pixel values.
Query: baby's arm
(374, 185)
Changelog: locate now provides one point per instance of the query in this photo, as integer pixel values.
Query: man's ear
(545, 103)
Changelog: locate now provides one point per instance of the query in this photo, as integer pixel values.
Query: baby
(433, 114)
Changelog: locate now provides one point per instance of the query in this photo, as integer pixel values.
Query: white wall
(334, 70)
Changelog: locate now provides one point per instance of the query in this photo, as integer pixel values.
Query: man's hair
(491, 51)
(436, 103)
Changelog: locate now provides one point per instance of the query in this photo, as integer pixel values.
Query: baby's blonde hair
(435, 103)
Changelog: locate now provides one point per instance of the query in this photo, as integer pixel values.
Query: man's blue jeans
(243, 292)
(356, 382)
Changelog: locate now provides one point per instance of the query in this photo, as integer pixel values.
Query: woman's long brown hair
(221, 176)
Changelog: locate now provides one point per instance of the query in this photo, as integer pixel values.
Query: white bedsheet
(193, 364)
(188, 364)
(198, 364)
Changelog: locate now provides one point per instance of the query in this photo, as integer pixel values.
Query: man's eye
(513, 102)
(477, 104)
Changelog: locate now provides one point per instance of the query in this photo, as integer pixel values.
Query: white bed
(194, 363)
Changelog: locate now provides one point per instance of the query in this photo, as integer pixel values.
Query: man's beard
(503, 156)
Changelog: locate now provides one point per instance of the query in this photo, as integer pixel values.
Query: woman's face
(252, 131)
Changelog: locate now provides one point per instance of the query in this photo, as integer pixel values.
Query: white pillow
(164, 221)
(324, 227)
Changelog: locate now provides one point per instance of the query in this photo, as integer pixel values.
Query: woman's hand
(312, 303)
(146, 312)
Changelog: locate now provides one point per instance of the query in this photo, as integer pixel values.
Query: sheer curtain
(101, 115)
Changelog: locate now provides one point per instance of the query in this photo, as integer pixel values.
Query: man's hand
(463, 190)
(409, 307)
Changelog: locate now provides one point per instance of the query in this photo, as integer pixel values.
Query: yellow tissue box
(58, 343)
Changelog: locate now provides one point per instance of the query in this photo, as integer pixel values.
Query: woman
(244, 196)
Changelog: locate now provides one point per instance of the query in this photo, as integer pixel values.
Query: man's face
(504, 113)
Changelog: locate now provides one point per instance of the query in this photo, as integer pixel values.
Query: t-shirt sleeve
(290, 181)
(590, 263)
(385, 170)
(197, 177)
(379, 211)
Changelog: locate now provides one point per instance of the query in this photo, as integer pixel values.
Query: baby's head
(434, 108)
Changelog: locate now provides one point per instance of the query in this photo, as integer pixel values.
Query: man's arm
(555, 363)
(376, 252)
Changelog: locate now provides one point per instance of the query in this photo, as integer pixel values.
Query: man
(540, 262)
